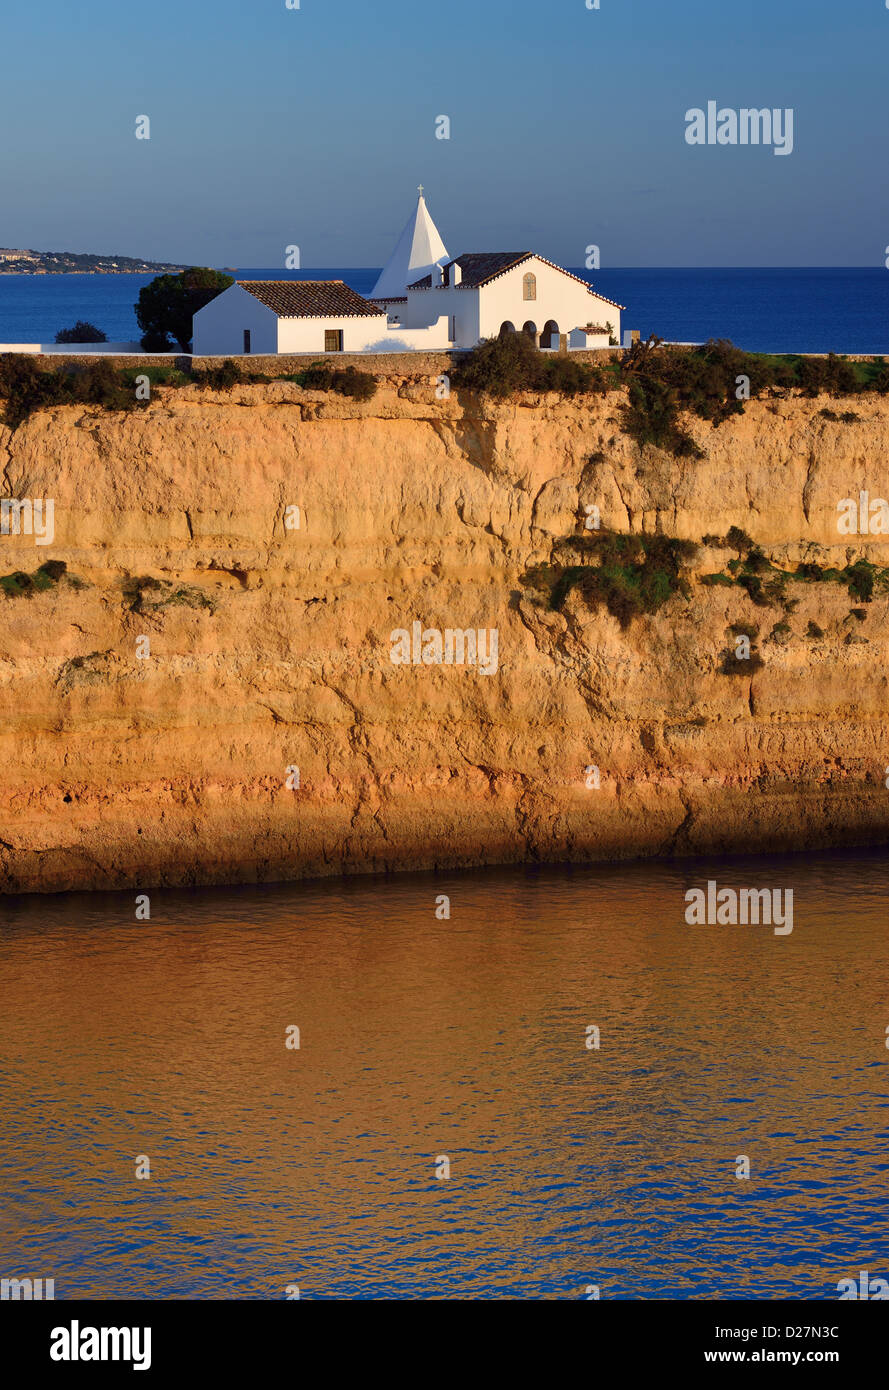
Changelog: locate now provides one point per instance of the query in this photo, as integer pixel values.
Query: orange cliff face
(209, 693)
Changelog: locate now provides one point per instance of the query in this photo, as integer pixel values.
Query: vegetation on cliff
(22, 585)
(361, 386)
(711, 382)
(766, 583)
(28, 385)
(714, 381)
(662, 383)
(630, 574)
(146, 594)
(502, 366)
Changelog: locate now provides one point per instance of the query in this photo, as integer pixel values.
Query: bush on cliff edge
(26, 386)
(501, 366)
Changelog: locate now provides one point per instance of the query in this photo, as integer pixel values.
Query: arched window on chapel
(529, 286)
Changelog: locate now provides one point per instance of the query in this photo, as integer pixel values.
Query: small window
(333, 340)
(529, 287)
(247, 347)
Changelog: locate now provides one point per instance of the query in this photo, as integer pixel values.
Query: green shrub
(16, 585)
(736, 539)
(350, 381)
(221, 377)
(704, 382)
(318, 377)
(81, 333)
(633, 574)
(98, 383)
(756, 562)
(22, 585)
(861, 580)
(159, 374)
(360, 386)
(569, 377)
(808, 570)
(27, 385)
(652, 417)
(753, 584)
(829, 375)
(502, 366)
(146, 594)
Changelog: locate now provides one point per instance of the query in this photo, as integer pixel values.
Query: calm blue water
(767, 310)
(465, 1038)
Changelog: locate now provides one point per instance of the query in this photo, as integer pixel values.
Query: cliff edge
(196, 674)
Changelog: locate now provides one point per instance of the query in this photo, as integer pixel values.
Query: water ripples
(465, 1038)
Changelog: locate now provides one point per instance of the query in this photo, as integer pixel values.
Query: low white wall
(433, 338)
(578, 339)
(76, 349)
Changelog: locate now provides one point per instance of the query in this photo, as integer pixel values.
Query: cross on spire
(420, 189)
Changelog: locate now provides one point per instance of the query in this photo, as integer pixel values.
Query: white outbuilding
(279, 316)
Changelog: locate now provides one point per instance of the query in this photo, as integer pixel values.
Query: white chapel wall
(559, 298)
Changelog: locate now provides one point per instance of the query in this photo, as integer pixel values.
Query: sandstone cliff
(270, 647)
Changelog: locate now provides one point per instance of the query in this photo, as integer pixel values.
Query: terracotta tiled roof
(480, 267)
(310, 299)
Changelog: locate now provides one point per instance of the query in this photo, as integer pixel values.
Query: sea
(808, 309)
(558, 1087)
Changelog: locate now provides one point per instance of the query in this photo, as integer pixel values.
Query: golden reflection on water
(462, 1038)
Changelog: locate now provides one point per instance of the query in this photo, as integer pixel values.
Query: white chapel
(422, 300)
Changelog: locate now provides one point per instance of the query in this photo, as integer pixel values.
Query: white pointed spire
(419, 248)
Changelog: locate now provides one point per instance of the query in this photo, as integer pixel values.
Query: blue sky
(272, 127)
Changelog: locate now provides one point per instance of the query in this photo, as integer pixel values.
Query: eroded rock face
(270, 648)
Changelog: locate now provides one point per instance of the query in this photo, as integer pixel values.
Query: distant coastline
(22, 261)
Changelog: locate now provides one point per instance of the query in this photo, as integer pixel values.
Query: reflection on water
(464, 1037)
